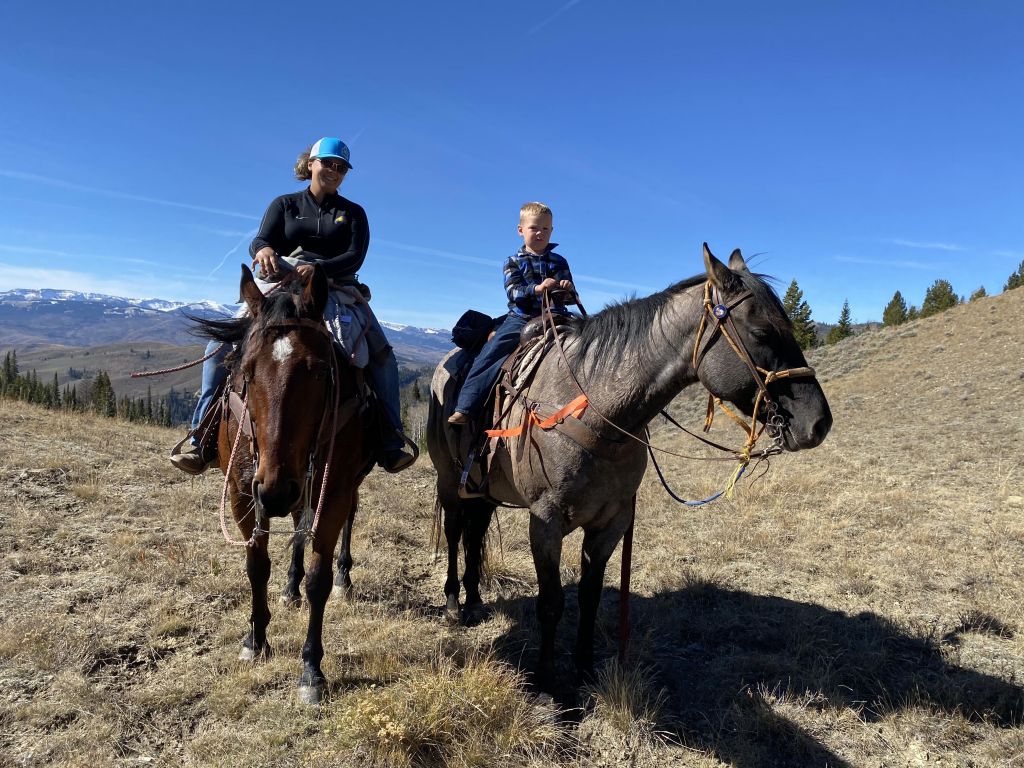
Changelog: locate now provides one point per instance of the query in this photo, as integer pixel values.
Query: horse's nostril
(278, 499)
(821, 428)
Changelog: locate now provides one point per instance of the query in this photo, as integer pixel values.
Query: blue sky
(858, 147)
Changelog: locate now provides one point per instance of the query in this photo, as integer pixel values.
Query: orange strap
(574, 409)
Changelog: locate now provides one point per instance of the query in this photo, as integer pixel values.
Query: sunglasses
(338, 166)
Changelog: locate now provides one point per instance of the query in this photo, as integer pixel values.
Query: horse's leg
(453, 522)
(343, 578)
(312, 683)
(598, 545)
(546, 545)
(257, 568)
(290, 595)
(476, 517)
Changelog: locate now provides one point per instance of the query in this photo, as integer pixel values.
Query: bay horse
(632, 359)
(299, 421)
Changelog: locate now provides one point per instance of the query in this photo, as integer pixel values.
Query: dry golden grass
(859, 605)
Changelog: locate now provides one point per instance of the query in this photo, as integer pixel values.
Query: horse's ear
(737, 262)
(249, 292)
(718, 273)
(314, 293)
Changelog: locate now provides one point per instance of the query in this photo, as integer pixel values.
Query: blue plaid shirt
(524, 272)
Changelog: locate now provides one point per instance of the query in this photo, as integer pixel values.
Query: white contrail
(553, 16)
(247, 236)
(926, 246)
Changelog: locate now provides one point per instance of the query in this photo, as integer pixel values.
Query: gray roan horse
(632, 358)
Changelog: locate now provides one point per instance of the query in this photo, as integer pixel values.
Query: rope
(161, 372)
(727, 491)
(224, 494)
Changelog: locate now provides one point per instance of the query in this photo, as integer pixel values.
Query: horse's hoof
(452, 612)
(344, 591)
(311, 694)
(473, 614)
(250, 655)
(291, 601)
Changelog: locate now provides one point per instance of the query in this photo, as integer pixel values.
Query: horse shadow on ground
(721, 655)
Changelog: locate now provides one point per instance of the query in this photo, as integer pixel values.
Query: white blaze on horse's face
(283, 349)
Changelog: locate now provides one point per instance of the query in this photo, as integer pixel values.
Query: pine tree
(843, 329)
(938, 298)
(979, 294)
(895, 311)
(799, 313)
(1016, 279)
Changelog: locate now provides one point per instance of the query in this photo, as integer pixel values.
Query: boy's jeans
(485, 368)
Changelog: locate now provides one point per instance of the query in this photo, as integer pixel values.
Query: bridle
(720, 314)
(244, 419)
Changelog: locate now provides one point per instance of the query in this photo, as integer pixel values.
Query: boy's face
(536, 231)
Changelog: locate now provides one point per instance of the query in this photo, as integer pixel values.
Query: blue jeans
(383, 378)
(214, 374)
(487, 365)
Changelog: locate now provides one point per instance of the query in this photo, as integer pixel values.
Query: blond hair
(302, 172)
(534, 209)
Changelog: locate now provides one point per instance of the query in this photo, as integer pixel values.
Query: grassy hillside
(858, 605)
(75, 365)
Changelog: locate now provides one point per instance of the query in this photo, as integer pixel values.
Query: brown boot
(396, 460)
(193, 461)
(458, 418)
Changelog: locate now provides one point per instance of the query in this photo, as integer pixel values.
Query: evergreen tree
(799, 313)
(843, 329)
(938, 298)
(895, 312)
(1016, 279)
(979, 294)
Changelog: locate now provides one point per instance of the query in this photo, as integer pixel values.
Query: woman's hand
(266, 259)
(305, 271)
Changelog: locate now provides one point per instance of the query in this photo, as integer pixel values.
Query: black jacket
(334, 233)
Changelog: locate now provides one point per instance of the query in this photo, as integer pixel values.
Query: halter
(307, 488)
(721, 315)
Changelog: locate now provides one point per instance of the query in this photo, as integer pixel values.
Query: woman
(320, 227)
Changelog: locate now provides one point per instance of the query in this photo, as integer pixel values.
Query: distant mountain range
(30, 319)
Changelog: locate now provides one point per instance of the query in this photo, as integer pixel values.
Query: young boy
(532, 270)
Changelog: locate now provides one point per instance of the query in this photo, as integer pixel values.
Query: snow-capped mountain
(51, 295)
(32, 318)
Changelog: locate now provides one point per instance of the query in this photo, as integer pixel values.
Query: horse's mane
(627, 323)
(279, 306)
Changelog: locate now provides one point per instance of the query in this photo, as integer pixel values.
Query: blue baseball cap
(328, 147)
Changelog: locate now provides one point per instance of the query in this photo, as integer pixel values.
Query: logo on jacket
(340, 219)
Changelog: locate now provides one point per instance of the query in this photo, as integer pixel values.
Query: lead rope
(224, 493)
(335, 375)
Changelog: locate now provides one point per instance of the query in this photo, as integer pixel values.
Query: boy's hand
(547, 284)
(566, 285)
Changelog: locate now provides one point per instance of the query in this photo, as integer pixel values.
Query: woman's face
(327, 173)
